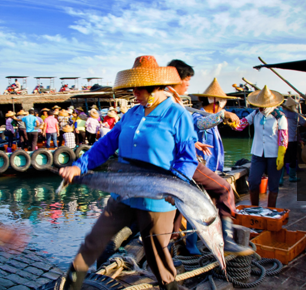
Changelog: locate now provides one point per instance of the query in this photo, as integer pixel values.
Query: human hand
(203, 147)
(170, 199)
(69, 172)
(231, 117)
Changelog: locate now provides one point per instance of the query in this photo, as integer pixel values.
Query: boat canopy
(294, 65)
(17, 77)
(44, 78)
(69, 78)
(92, 78)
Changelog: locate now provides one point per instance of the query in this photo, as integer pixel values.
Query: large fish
(195, 205)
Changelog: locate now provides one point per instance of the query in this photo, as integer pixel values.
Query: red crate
(283, 245)
(261, 223)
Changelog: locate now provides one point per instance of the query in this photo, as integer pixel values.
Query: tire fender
(79, 151)
(23, 164)
(45, 153)
(4, 162)
(63, 156)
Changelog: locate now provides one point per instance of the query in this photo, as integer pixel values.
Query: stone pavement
(26, 270)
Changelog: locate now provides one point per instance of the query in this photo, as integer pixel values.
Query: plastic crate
(284, 245)
(261, 223)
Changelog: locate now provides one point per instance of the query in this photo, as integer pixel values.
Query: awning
(294, 65)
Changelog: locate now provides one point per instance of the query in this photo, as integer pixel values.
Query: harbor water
(58, 223)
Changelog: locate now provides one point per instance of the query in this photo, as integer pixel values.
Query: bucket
(263, 185)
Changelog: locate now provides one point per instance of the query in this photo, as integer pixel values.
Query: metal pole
(99, 105)
(290, 85)
(13, 104)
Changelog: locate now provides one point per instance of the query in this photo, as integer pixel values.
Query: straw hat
(123, 110)
(94, 114)
(214, 90)
(146, 72)
(67, 129)
(80, 109)
(94, 107)
(44, 109)
(56, 107)
(22, 112)
(112, 114)
(63, 113)
(71, 108)
(83, 117)
(69, 111)
(291, 103)
(55, 113)
(9, 114)
(265, 98)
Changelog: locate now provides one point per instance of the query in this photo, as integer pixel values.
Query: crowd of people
(69, 127)
(161, 132)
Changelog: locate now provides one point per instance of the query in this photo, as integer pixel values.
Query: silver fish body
(195, 205)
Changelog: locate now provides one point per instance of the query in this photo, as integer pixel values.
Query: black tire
(47, 154)
(25, 155)
(91, 282)
(4, 162)
(79, 151)
(57, 157)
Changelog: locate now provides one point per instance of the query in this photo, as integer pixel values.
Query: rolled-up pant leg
(115, 216)
(157, 253)
(217, 188)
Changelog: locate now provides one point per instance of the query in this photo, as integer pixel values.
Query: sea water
(58, 223)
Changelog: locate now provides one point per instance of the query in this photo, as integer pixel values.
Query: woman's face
(142, 96)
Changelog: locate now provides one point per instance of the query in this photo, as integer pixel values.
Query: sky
(218, 38)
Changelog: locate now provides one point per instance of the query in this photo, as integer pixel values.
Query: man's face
(182, 88)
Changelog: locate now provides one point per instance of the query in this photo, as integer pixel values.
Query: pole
(290, 85)
(13, 104)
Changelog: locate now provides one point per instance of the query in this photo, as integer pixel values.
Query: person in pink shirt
(51, 129)
(92, 126)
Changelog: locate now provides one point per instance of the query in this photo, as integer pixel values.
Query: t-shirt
(50, 123)
(30, 122)
(69, 139)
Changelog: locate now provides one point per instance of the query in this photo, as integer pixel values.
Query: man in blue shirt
(31, 122)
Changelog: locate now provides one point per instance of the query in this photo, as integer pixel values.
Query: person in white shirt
(269, 143)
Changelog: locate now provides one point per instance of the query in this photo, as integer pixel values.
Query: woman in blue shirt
(159, 132)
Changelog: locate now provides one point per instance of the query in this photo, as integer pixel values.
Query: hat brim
(213, 96)
(279, 99)
(147, 77)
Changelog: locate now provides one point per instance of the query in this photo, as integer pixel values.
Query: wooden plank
(135, 249)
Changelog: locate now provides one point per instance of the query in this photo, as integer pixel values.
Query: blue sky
(219, 38)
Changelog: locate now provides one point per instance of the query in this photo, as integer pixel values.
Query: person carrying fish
(269, 143)
(215, 185)
(158, 132)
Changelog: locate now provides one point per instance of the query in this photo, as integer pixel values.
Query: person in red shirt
(111, 119)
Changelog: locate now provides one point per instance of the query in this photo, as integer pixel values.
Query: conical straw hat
(22, 112)
(9, 114)
(63, 113)
(265, 98)
(146, 72)
(67, 129)
(214, 90)
(94, 114)
(291, 103)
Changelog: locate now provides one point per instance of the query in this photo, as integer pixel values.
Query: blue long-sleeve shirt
(164, 138)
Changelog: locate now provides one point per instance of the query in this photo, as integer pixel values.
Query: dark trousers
(32, 137)
(61, 138)
(259, 165)
(23, 138)
(10, 137)
(116, 216)
(217, 188)
(80, 137)
(291, 154)
(91, 138)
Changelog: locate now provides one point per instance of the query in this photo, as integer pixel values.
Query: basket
(283, 245)
(261, 223)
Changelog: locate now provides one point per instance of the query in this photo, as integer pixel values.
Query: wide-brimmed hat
(146, 72)
(22, 112)
(67, 129)
(69, 111)
(56, 107)
(10, 114)
(45, 109)
(290, 103)
(63, 113)
(80, 109)
(94, 114)
(55, 113)
(83, 117)
(94, 107)
(265, 98)
(123, 110)
(214, 90)
(71, 107)
(112, 114)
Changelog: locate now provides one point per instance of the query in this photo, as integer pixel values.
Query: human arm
(57, 129)
(244, 122)
(203, 147)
